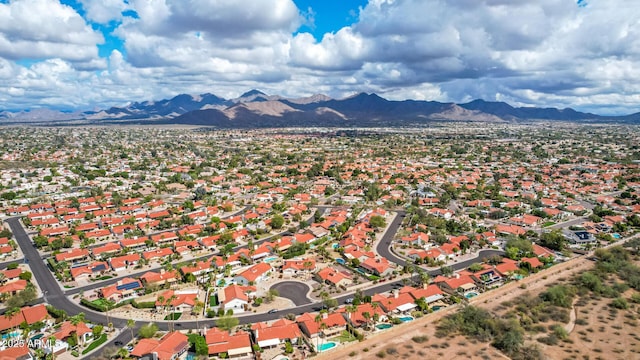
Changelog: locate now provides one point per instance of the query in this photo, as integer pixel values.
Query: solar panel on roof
(128, 286)
(99, 267)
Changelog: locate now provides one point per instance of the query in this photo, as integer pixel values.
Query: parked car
(272, 311)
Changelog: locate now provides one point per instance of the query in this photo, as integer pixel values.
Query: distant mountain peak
(252, 92)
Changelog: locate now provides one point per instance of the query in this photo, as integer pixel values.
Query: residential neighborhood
(184, 243)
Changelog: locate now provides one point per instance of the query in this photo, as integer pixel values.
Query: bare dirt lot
(416, 340)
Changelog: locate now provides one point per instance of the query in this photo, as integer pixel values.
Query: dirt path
(572, 319)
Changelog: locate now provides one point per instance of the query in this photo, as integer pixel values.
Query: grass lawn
(100, 302)
(344, 337)
(213, 300)
(173, 316)
(548, 223)
(101, 340)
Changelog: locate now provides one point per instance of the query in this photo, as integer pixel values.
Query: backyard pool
(436, 308)
(334, 246)
(270, 259)
(615, 235)
(470, 294)
(383, 326)
(406, 318)
(340, 261)
(10, 335)
(328, 345)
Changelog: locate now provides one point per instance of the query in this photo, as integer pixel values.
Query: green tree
(475, 267)
(227, 322)
(277, 221)
(131, 324)
(377, 222)
(559, 295)
(554, 240)
(147, 331)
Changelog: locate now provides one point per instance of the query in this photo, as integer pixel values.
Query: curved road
(293, 290)
(55, 296)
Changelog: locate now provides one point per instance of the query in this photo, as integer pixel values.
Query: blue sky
(88, 54)
(329, 16)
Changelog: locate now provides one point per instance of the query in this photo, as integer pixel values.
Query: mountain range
(255, 109)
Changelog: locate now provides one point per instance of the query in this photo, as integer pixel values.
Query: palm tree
(109, 305)
(350, 310)
(131, 324)
(318, 321)
(52, 341)
(376, 316)
(75, 320)
(168, 304)
(425, 278)
(366, 317)
(11, 313)
(197, 309)
(161, 301)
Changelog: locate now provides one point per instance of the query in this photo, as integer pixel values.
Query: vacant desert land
(416, 340)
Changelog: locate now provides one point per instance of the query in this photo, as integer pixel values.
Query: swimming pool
(406, 318)
(383, 326)
(615, 235)
(334, 246)
(470, 294)
(326, 346)
(10, 335)
(436, 308)
(340, 261)
(270, 259)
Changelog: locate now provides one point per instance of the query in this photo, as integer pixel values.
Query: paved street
(55, 296)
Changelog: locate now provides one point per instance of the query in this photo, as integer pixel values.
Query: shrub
(620, 303)
(420, 339)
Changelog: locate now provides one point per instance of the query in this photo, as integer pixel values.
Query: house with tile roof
(235, 297)
(275, 334)
(507, 267)
(458, 284)
(330, 324)
(73, 255)
(123, 262)
(430, 293)
(236, 345)
(377, 266)
(28, 314)
(20, 352)
(293, 267)
(358, 319)
(178, 301)
(157, 254)
(67, 329)
(14, 287)
(160, 278)
(170, 347)
(106, 249)
(94, 268)
(396, 302)
(254, 274)
(333, 277)
(123, 289)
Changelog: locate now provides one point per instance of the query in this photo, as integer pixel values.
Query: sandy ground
(399, 342)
